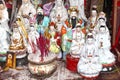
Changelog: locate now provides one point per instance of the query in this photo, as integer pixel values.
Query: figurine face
(59, 3)
(16, 30)
(1, 6)
(78, 29)
(52, 28)
(90, 40)
(25, 1)
(9, 56)
(94, 13)
(73, 15)
(101, 21)
(40, 11)
(102, 29)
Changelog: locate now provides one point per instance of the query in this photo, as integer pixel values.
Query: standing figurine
(66, 32)
(92, 21)
(89, 65)
(54, 39)
(42, 21)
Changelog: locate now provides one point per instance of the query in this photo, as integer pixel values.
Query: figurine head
(90, 38)
(2, 6)
(102, 29)
(39, 10)
(101, 21)
(52, 26)
(94, 11)
(102, 14)
(25, 1)
(73, 12)
(59, 3)
(15, 27)
(78, 27)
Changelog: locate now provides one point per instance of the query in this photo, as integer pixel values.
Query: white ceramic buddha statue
(89, 65)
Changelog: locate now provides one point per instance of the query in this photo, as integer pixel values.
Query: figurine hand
(69, 40)
(25, 16)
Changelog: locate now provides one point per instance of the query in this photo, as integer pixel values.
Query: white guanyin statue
(77, 41)
(89, 65)
(107, 58)
(80, 5)
(58, 11)
(4, 28)
(24, 11)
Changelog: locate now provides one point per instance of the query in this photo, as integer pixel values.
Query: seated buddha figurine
(89, 65)
(17, 42)
(77, 41)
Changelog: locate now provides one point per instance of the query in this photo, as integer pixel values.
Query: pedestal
(21, 57)
(71, 63)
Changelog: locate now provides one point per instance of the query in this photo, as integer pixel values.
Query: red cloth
(71, 63)
(118, 3)
(8, 5)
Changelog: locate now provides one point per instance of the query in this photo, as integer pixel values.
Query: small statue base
(71, 63)
(108, 67)
(21, 57)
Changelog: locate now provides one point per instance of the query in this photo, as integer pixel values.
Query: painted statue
(42, 21)
(17, 42)
(58, 10)
(107, 58)
(66, 33)
(24, 11)
(89, 65)
(73, 19)
(77, 41)
(54, 39)
(80, 5)
(92, 21)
